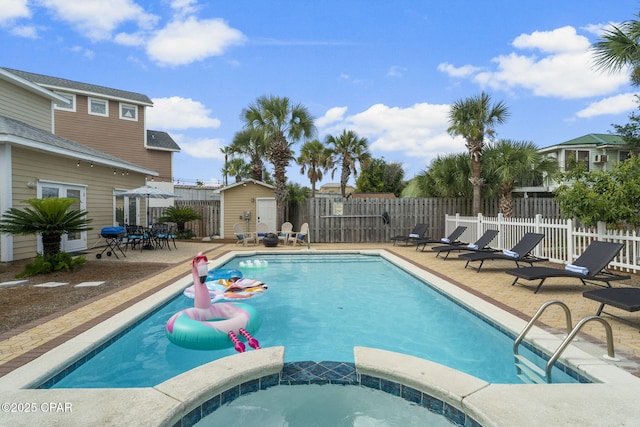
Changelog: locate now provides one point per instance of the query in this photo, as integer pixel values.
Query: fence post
(570, 241)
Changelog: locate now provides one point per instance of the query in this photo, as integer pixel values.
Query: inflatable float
(230, 289)
(254, 263)
(207, 326)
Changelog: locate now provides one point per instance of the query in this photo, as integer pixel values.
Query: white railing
(563, 241)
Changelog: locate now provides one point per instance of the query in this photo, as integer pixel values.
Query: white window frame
(129, 106)
(98, 100)
(59, 106)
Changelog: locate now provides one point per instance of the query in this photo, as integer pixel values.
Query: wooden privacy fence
(209, 225)
(337, 220)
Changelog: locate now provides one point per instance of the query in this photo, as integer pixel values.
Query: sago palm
(49, 217)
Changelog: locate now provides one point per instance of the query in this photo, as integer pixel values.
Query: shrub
(45, 264)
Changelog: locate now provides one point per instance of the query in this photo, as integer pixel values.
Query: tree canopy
(381, 177)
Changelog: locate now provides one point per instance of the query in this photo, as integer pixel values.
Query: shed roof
(161, 141)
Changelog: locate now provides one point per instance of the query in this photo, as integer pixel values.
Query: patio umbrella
(150, 193)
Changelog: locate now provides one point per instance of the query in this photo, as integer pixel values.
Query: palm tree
(515, 162)
(447, 176)
(237, 168)
(49, 217)
(619, 47)
(251, 143)
(347, 150)
(474, 119)
(282, 124)
(180, 215)
(317, 158)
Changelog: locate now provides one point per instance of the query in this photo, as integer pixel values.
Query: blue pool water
(319, 307)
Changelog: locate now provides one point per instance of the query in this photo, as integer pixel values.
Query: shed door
(266, 212)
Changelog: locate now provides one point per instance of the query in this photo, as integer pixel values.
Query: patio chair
(285, 230)
(480, 245)
(589, 267)
(451, 239)
(521, 252)
(136, 236)
(417, 233)
(298, 238)
(627, 299)
(262, 229)
(241, 236)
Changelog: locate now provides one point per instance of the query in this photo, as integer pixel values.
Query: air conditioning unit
(600, 158)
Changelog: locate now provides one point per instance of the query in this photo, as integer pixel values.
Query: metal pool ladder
(532, 373)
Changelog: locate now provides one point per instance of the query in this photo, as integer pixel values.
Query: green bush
(45, 264)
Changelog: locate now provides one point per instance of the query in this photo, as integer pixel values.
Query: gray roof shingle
(59, 83)
(52, 142)
(161, 140)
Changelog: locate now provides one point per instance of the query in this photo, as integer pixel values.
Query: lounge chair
(451, 239)
(521, 252)
(417, 233)
(298, 238)
(589, 267)
(241, 236)
(627, 299)
(480, 245)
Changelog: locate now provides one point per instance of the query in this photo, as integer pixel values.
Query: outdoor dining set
(121, 238)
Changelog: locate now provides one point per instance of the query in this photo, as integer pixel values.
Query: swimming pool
(319, 307)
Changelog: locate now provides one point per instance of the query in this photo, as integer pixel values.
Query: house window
(69, 106)
(623, 155)
(129, 112)
(98, 107)
(571, 157)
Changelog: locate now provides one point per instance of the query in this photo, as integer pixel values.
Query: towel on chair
(577, 269)
(511, 254)
(414, 236)
(472, 246)
(445, 240)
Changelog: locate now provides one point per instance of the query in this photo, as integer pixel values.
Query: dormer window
(70, 106)
(129, 112)
(98, 107)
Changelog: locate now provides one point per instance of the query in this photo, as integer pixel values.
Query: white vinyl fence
(563, 241)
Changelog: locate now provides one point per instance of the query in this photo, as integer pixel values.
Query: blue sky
(388, 70)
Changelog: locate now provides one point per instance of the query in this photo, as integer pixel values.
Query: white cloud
(179, 113)
(418, 132)
(87, 53)
(13, 9)
(453, 71)
(613, 105)
(183, 42)
(332, 115)
(26, 31)
(560, 67)
(396, 71)
(97, 19)
(201, 148)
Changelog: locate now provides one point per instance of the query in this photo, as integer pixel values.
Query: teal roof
(597, 139)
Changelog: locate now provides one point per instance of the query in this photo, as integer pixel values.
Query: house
(334, 188)
(112, 121)
(248, 202)
(37, 163)
(598, 151)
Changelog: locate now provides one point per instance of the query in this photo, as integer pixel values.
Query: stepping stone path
(13, 283)
(88, 284)
(50, 285)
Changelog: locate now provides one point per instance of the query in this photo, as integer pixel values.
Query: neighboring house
(112, 121)
(248, 202)
(334, 188)
(598, 151)
(37, 163)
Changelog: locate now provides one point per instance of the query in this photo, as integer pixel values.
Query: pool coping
(187, 398)
(29, 375)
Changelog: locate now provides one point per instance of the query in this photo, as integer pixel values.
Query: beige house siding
(238, 199)
(100, 183)
(28, 107)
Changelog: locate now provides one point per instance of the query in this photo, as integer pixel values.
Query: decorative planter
(270, 240)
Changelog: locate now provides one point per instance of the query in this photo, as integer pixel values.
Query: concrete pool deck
(490, 285)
